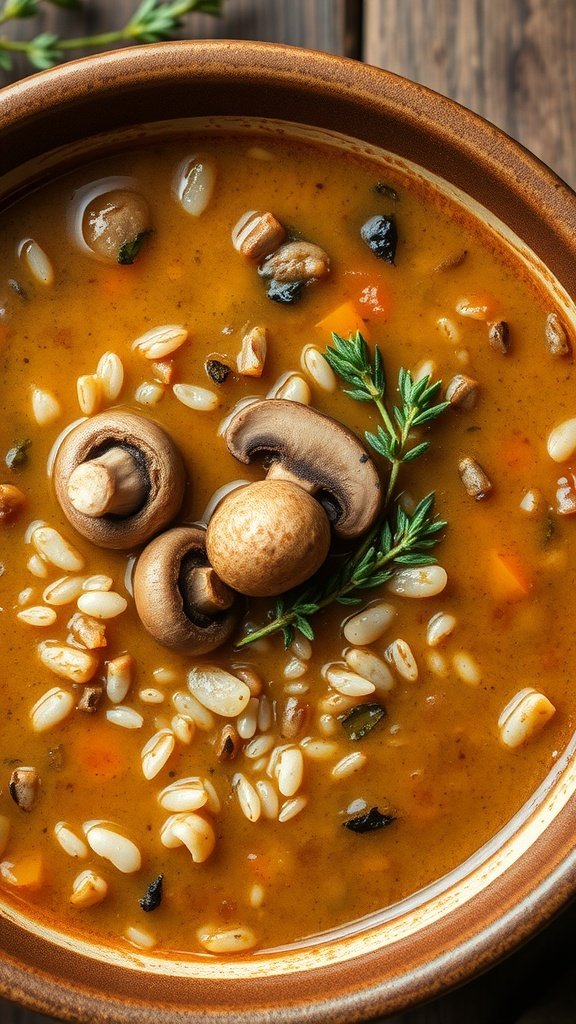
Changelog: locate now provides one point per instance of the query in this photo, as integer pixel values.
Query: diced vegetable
(509, 575)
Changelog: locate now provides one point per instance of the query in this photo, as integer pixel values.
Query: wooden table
(514, 62)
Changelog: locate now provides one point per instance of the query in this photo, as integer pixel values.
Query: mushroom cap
(159, 460)
(267, 537)
(314, 451)
(160, 594)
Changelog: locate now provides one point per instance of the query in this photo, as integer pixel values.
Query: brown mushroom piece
(116, 225)
(119, 479)
(178, 596)
(270, 536)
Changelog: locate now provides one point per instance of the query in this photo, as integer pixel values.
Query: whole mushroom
(119, 479)
(178, 596)
(116, 225)
(269, 536)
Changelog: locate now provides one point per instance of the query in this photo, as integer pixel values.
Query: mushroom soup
(173, 775)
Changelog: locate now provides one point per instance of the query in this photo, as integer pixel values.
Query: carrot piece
(98, 753)
(25, 872)
(344, 320)
(510, 577)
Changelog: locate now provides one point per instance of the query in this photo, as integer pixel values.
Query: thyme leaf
(398, 539)
(152, 22)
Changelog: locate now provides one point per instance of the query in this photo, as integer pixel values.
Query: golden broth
(436, 762)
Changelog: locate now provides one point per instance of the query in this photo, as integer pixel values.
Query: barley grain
(105, 604)
(524, 716)
(231, 939)
(68, 662)
(53, 547)
(439, 627)
(108, 842)
(125, 717)
(196, 397)
(368, 665)
(37, 566)
(88, 889)
(348, 765)
(466, 668)
(38, 263)
(269, 802)
(119, 673)
(46, 408)
(346, 682)
(110, 370)
(70, 842)
(183, 795)
(315, 365)
(419, 581)
(399, 655)
(140, 937)
(160, 342)
(37, 615)
(247, 797)
(150, 392)
(290, 808)
(157, 752)
(369, 625)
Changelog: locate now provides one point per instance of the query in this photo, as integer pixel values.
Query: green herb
(372, 821)
(382, 189)
(358, 722)
(397, 539)
(153, 21)
(18, 454)
(130, 251)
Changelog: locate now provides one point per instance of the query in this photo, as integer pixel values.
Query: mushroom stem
(204, 590)
(279, 471)
(112, 483)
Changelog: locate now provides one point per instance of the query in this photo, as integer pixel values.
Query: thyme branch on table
(152, 22)
(397, 539)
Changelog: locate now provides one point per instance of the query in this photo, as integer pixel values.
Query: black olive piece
(153, 897)
(369, 822)
(381, 236)
(217, 371)
(284, 292)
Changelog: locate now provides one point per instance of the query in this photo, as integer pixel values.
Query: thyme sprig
(153, 21)
(397, 539)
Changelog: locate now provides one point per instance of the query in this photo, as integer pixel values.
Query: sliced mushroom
(270, 536)
(315, 452)
(24, 787)
(119, 478)
(178, 596)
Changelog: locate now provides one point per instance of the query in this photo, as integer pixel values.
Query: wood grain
(510, 60)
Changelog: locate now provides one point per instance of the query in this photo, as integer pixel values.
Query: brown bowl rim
(49, 110)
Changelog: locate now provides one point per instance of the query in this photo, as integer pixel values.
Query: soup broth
(269, 856)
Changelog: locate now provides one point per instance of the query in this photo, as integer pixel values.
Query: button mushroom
(268, 537)
(179, 598)
(119, 478)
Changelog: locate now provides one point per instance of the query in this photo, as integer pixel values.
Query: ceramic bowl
(464, 922)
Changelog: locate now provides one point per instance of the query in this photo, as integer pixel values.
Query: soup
(216, 796)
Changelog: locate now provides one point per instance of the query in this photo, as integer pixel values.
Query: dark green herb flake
(153, 896)
(358, 722)
(18, 454)
(372, 821)
(129, 252)
(217, 371)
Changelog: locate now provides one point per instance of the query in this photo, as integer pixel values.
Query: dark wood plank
(510, 60)
(331, 25)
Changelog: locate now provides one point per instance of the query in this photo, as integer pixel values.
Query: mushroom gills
(180, 599)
